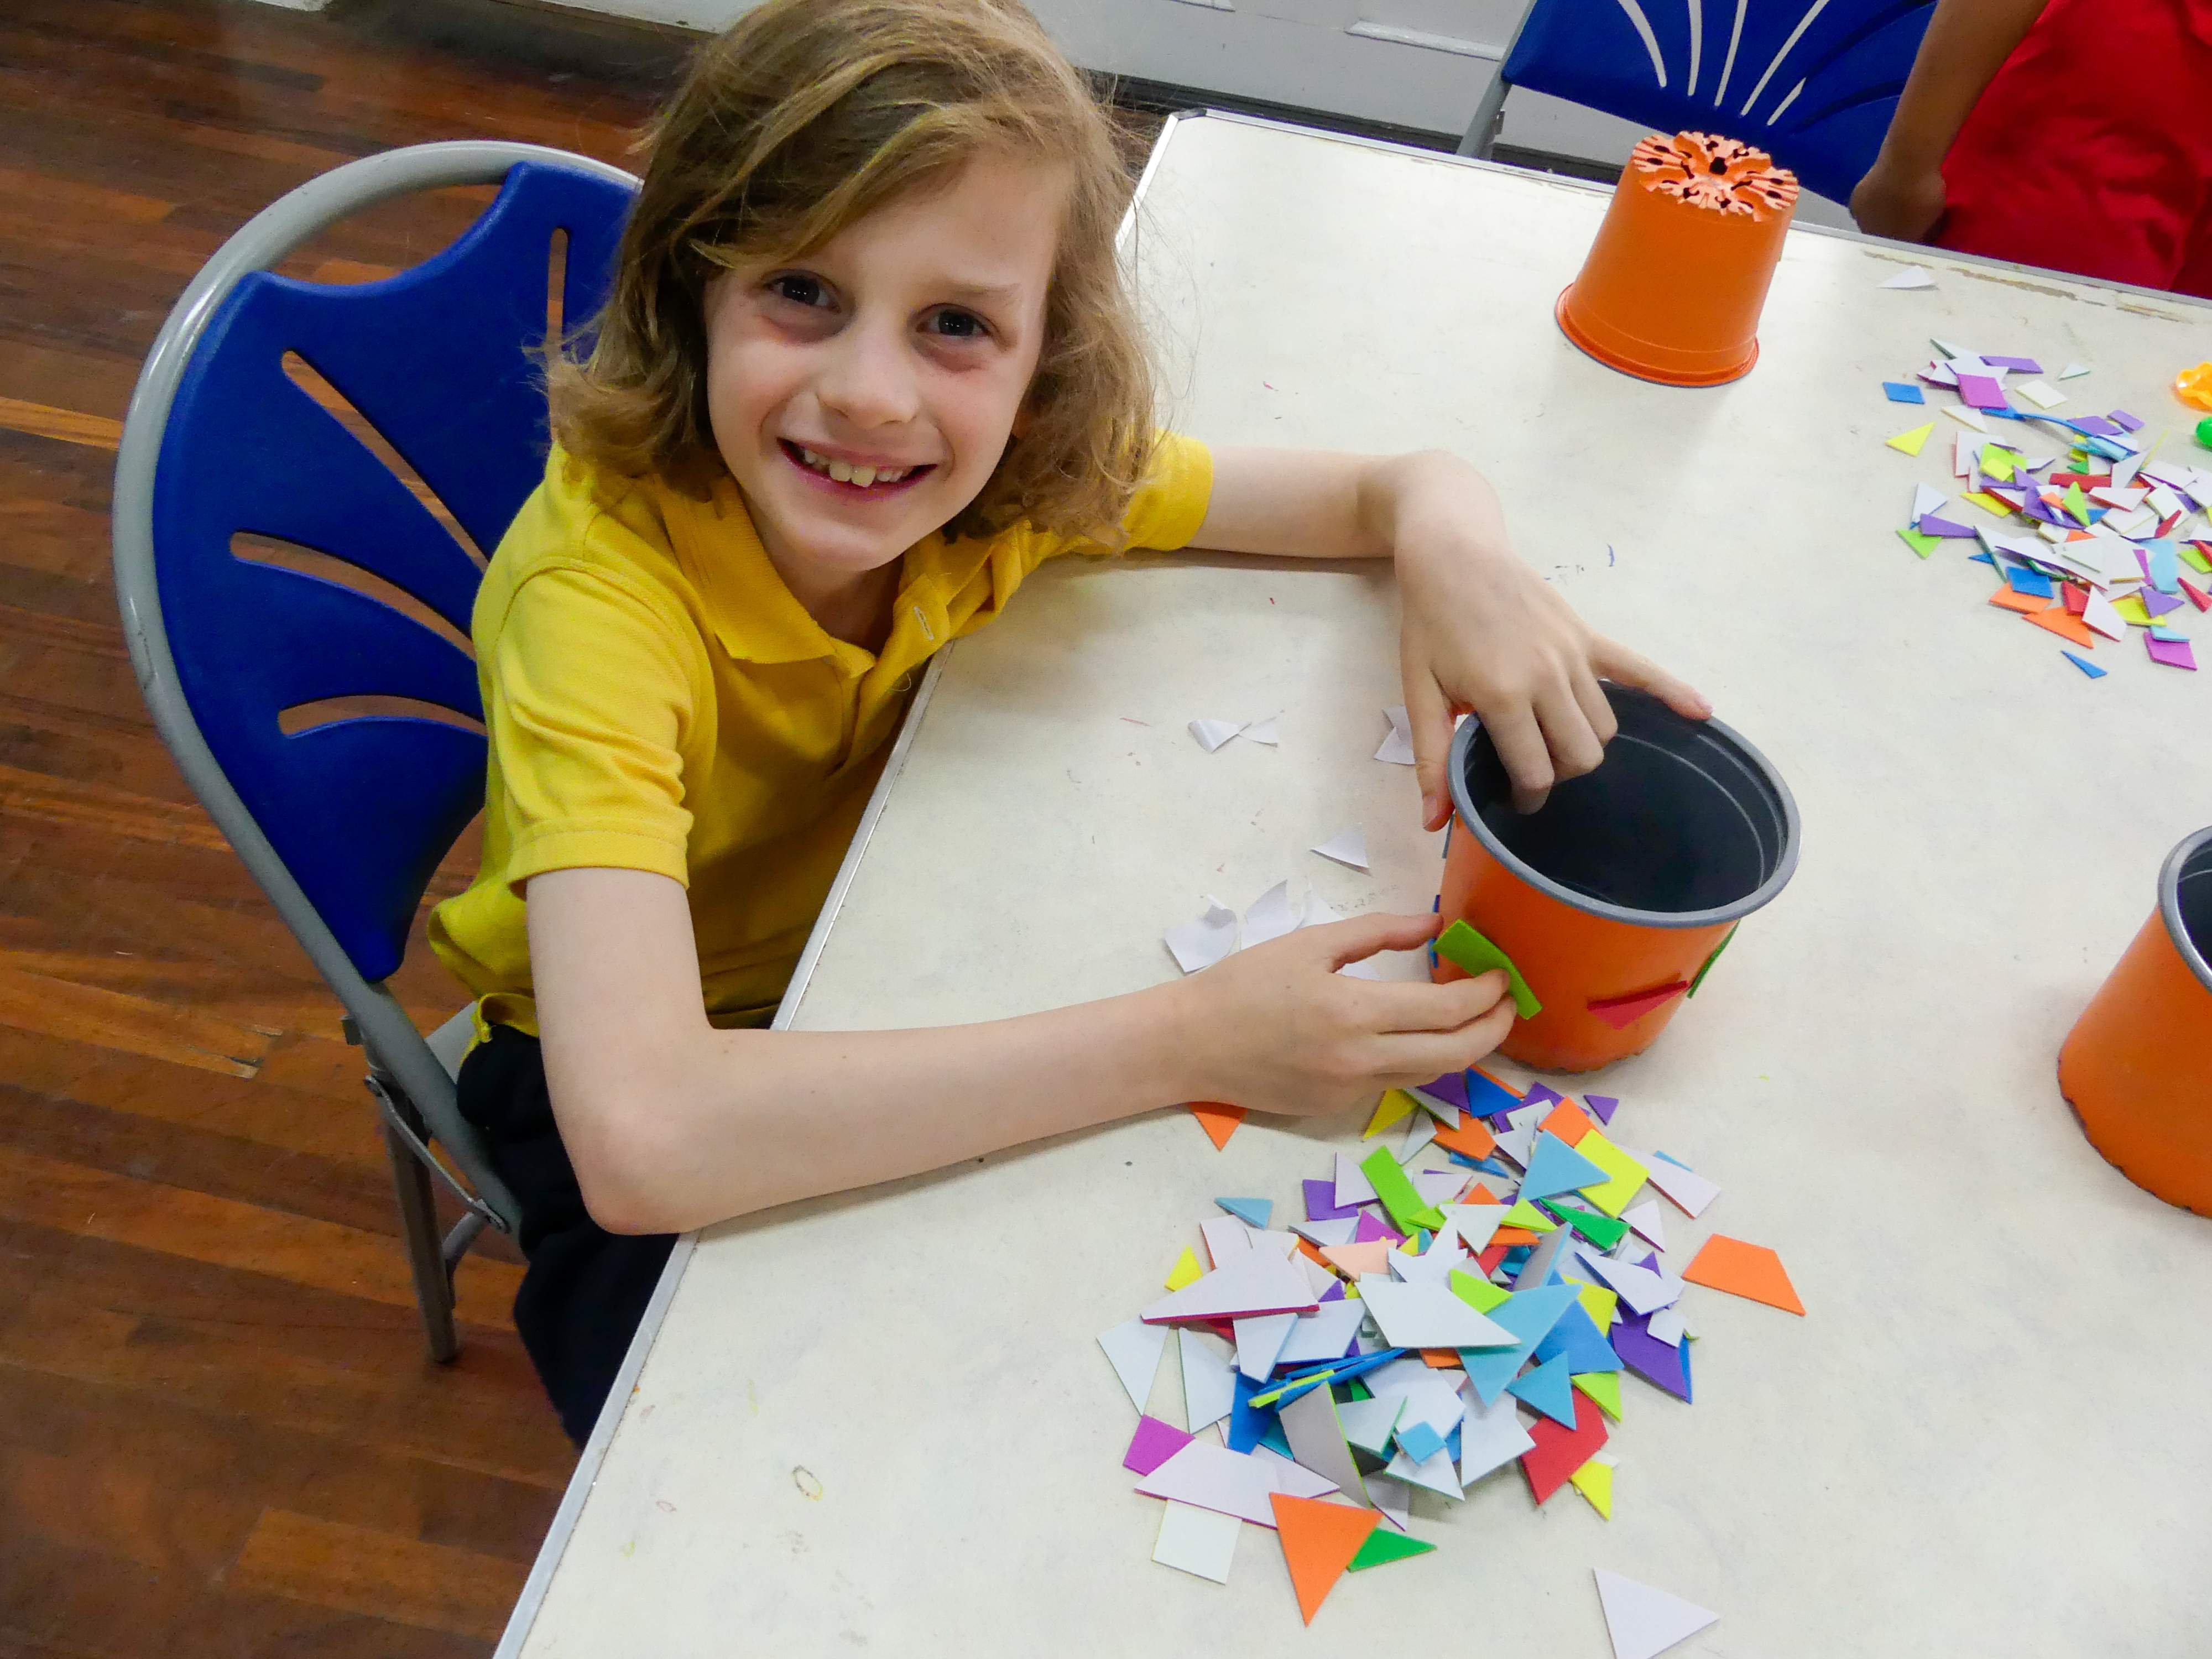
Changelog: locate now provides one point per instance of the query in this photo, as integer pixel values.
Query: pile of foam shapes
(2092, 531)
(1468, 1295)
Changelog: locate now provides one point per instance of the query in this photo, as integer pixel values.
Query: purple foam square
(1321, 1205)
(2018, 365)
(2174, 654)
(1981, 392)
(1152, 1444)
(1603, 1105)
(2126, 422)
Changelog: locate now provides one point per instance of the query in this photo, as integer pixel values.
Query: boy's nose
(869, 380)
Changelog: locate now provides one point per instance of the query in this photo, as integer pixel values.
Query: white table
(1987, 1437)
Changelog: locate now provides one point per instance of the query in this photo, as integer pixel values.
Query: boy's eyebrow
(984, 292)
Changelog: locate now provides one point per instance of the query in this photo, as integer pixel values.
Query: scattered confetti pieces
(1435, 1340)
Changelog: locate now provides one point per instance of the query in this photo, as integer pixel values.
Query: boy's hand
(1276, 1028)
(1480, 632)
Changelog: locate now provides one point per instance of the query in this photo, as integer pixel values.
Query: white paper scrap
(1198, 1541)
(1644, 1622)
(1353, 1186)
(1260, 1342)
(2040, 393)
(1270, 916)
(1911, 276)
(1263, 732)
(1135, 1349)
(2099, 615)
(1397, 747)
(2073, 371)
(1346, 847)
(1200, 943)
(1254, 1283)
(1212, 734)
(1209, 1378)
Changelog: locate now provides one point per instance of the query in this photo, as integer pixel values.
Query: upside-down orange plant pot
(2137, 1066)
(1673, 287)
(1615, 897)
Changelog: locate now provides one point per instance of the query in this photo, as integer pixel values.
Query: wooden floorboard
(219, 1432)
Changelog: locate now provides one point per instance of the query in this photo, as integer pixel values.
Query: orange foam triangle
(1479, 1194)
(1510, 1236)
(1319, 1541)
(1218, 1121)
(2063, 623)
(1472, 1139)
(1752, 1271)
(1568, 1121)
(1442, 1360)
(2027, 604)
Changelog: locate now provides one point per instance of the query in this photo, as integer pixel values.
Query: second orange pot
(2137, 1066)
(1614, 898)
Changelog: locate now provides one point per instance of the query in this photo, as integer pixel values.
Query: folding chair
(295, 606)
(1812, 82)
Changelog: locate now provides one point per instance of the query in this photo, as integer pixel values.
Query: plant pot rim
(2169, 905)
(1463, 742)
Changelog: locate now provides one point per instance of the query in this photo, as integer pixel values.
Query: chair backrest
(236, 483)
(440, 361)
(1812, 82)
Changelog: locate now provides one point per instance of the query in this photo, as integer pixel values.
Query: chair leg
(1489, 116)
(418, 1224)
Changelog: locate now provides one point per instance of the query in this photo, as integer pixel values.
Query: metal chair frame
(412, 1078)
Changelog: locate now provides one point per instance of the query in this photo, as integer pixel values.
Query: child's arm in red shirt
(1966, 42)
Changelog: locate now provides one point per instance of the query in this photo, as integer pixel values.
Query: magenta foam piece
(1981, 392)
(2174, 654)
(1152, 1444)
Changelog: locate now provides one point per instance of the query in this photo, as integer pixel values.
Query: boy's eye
(799, 287)
(953, 324)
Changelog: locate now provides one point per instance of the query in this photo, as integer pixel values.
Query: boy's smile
(862, 396)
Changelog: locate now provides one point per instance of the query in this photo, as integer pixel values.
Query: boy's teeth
(844, 472)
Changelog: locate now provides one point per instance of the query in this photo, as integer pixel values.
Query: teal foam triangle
(1253, 1212)
(1529, 1315)
(1549, 1389)
(1555, 1167)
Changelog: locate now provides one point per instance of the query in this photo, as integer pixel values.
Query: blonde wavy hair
(803, 119)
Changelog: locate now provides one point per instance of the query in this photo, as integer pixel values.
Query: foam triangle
(1383, 1547)
(1644, 1622)
(1554, 1167)
(1218, 1121)
(1319, 1541)
(1622, 1012)
(1254, 1211)
(1549, 1389)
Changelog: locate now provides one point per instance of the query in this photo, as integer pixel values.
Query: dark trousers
(585, 1289)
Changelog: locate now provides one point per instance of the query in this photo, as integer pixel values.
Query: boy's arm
(671, 1124)
(1966, 42)
(1479, 630)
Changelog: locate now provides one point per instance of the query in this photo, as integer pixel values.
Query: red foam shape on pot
(1620, 1013)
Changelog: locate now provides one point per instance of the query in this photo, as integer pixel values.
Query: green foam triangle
(1383, 1546)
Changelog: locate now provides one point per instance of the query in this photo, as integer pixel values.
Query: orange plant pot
(2137, 1066)
(1674, 284)
(1614, 899)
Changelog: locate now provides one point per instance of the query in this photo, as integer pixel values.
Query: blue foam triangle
(1549, 1389)
(1486, 1098)
(1253, 1212)
(1529, 1315)
(1555, 1167)
(1578, 1340)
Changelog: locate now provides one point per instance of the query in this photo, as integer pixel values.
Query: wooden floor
(219, 1432)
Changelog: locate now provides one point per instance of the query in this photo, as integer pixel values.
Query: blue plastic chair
(343, 817)
(1812, 82)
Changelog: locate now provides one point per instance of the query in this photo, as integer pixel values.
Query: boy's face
(862, 396)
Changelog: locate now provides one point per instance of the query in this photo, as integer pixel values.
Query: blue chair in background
(298, 609)
(1812, 82)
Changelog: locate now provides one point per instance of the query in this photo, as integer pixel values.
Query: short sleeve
(589, 689)
(1170, 505)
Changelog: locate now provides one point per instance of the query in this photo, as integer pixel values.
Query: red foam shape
(1620, 1013)
(1558, 1452)
(2197, 596)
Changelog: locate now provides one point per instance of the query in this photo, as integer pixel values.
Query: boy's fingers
(1429, 713)
(1575, 748)
(1400, 1006)
(1625, 667)
(1595, 709)
(1415, 1057)
(1526, 756)
(1361, 937)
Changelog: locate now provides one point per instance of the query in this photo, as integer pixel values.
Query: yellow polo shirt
(657, 699)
